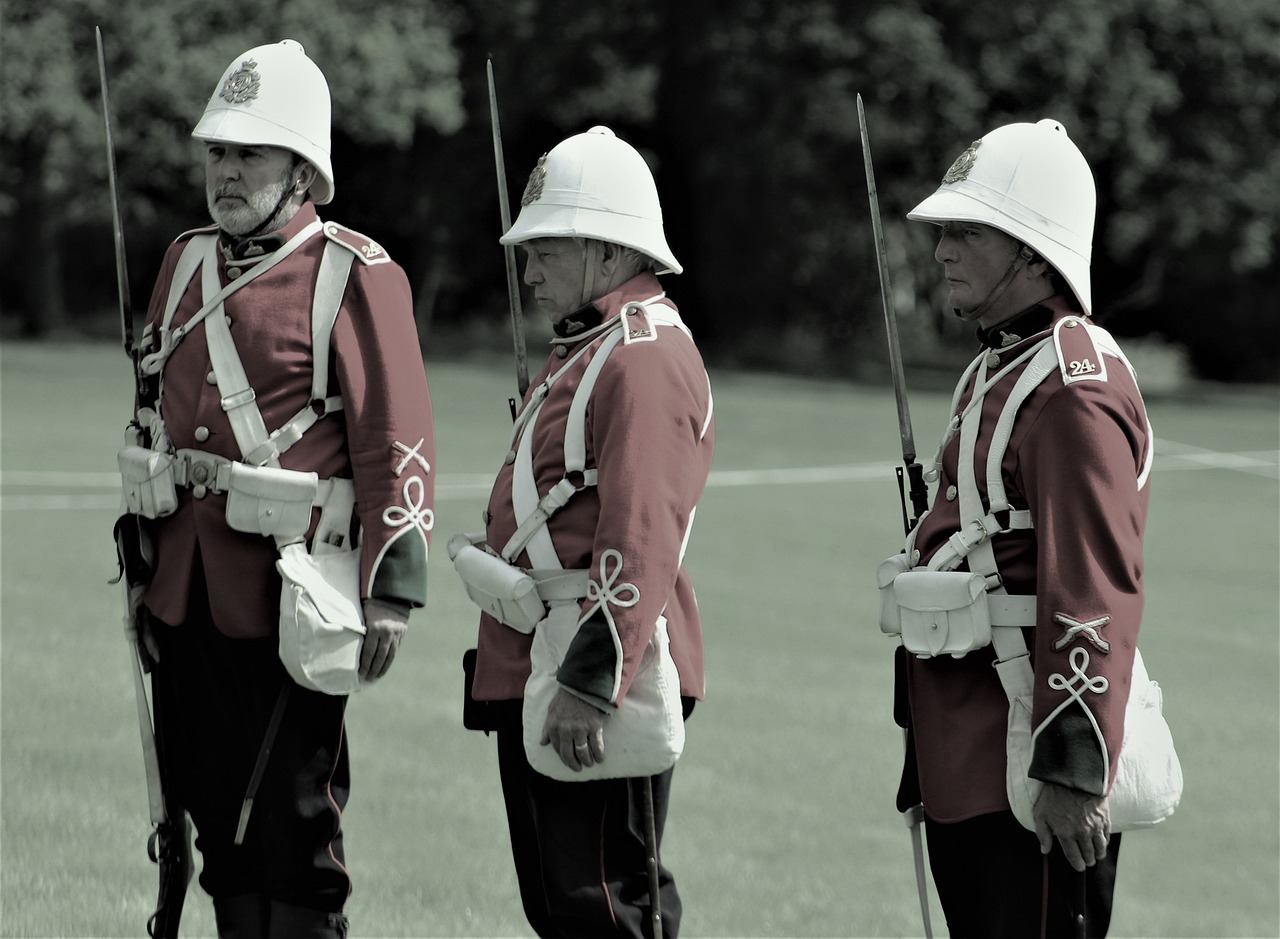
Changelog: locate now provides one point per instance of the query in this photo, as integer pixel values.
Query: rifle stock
(914, 485)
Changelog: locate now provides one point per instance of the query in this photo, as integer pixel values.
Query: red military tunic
(383, 438)
(650, 433)
(1078, 460)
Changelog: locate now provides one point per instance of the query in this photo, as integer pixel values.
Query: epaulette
(362, 246)
(188, 235)
(1079, 357)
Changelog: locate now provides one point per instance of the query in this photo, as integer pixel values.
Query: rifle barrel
(886, 299)
(509, 251)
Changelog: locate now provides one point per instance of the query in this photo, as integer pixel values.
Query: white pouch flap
(943, 612)
(267, 500)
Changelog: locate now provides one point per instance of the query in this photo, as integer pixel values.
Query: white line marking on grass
(1170, 455)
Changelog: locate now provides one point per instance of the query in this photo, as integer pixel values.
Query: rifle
(914, 815)
(914, 472)
(508, 251)
(169, 844)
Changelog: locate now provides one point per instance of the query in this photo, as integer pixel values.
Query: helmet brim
(544, 220)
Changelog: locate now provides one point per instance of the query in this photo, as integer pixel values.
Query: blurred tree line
(746, 110)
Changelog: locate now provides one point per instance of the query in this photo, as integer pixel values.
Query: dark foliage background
(747, 113)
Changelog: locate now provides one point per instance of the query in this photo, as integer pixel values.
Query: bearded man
(306, 329)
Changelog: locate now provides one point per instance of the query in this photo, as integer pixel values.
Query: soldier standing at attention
(619, 423)
(1067, 502)
(351, 414)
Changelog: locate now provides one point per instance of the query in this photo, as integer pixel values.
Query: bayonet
(117, 222)
(918, 491)
(509, 251)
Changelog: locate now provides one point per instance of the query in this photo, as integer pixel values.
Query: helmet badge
(533, 189)
(242, 84)
(963, 164)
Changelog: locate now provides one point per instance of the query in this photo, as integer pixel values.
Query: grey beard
(246, 218)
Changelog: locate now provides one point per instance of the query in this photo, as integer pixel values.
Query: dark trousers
(579, 850)
(993, 882)
(214, 698)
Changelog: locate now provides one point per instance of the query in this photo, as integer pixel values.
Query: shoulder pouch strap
(331, 285)
(532, 534)
(239, 400)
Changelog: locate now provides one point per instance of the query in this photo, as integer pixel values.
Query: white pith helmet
(594, 185)
(275, 96)
(1031, 182)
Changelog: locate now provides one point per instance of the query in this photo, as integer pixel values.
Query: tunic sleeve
(1081, 469)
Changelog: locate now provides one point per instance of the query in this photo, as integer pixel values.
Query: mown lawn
(783, 821)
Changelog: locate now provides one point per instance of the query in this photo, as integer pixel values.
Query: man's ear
(610, 257)
(304, 176)
(1035, 266)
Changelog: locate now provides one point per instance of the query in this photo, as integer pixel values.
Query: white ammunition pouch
(147, 478)
(938, 610)
(504, 591)
(266, 500)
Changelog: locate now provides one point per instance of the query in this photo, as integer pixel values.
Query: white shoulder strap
(331, 285)
(155, 362)
(238, 399)
(532, 534)
(192, 254)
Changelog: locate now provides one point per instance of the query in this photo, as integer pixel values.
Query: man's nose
(227, 167)
(945, 250)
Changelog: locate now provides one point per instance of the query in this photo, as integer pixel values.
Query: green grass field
(783, 821)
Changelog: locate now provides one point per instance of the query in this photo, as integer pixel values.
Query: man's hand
(384, 628)
(1081, 822)
(575, 729)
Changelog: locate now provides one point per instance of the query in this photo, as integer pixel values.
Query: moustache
(229, 191)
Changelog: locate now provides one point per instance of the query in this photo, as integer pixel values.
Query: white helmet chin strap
(591, 262)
